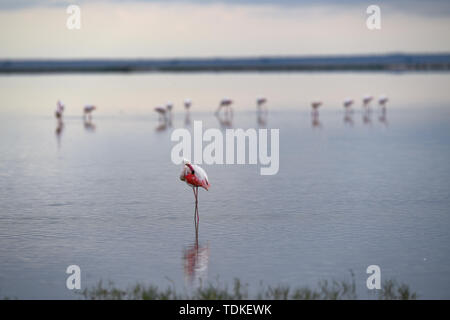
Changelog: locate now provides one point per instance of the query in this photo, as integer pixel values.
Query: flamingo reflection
(366, 117)
(89, 125)
(383, 117)
(59, 131)
(196, 259)
(161, 127)
(348, 119)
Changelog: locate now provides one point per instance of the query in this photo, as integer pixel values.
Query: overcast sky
(187, 28)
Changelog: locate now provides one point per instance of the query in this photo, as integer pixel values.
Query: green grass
(326, 290)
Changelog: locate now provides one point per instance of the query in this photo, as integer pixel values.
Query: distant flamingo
(348, 119)
(262, 111)
(315, 113)
(88, 109)
(383, 100)
(187, 107)
(195, 177)
(225, 103)
(162, 113)
(348, 103)
(315, 106)
(59, 110)
(260, 102)
(367, 100)
(169, 107)
(59, 131)
(187, 104)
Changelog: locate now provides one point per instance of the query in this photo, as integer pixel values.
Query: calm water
(108, 198)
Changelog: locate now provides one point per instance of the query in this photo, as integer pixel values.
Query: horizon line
(359, 62)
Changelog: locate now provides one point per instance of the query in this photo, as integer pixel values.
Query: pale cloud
(181, 29)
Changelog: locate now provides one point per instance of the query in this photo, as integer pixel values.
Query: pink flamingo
(225, 103)
(348, 103)
(383, 100)
(59, 110)
(195, 177)
(260, 101)
(162, 113)
(88, 109)
(315, 106)
(187, 104)
(367, 100)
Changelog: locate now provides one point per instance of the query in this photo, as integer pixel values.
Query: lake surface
(107, 197)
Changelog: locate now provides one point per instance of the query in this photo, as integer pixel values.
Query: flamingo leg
(196, 237)
(196, 217)
(195, 210)
(196, 205)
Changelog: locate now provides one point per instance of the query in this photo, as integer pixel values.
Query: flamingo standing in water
(187, 107)
(225, 103)
(60, 124)
(169, 107)
(315, 106)
(59, 110)
(348, 111)
(315, 113)
(187, 104)
(367, 100)
(348, 103)
(260, 102)
(195, 177)
(383, 100)
(88, 109)
(162, 113)
(261, 110)
(225, 118)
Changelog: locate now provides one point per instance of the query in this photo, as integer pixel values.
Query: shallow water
(108, 198)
